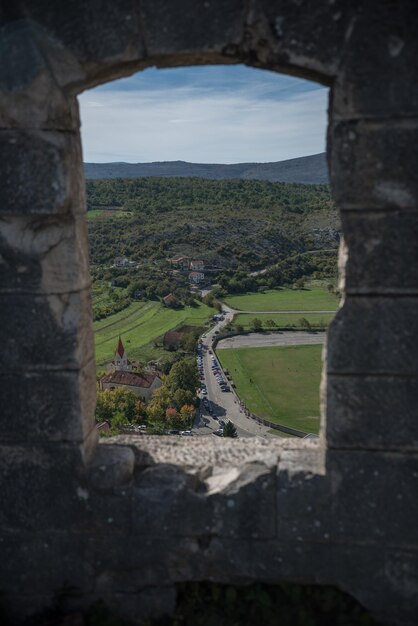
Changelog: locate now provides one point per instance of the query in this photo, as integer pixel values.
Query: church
(143, 383)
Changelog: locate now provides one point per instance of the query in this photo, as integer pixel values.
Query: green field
(314, 299)
(284, 320)
(278, 383)
(105, 213)
(139, 326)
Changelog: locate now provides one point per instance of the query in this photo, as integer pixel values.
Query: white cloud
(92, 104)
(202, 125)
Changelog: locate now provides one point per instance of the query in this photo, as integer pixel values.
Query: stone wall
(126, 520)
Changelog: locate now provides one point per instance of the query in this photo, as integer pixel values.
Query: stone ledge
(198, 452)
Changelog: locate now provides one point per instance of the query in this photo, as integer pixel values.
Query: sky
(208, 114)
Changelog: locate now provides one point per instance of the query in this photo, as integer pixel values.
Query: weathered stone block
(372, 412)
(48, 406)
(243, 501)
(130, 561)
(310, 495)
(29, 94)
(364, 497)
(382, 251)
(45, 332)
(111, 466)
(372, 164)
(308, 36)
(177, 27)
(52, 561)
(40, 173)
(115, 39)
(44, 256)
(374, 335)
(40, 487)
(167, 502)
(107, 514)
(378, 73)
(232, 502)
(373, 497)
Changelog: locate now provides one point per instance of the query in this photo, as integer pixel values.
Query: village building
(179, 261)
(197, 265)
(142, 383)
(170, 300)
(120, 361)
(196, 277)
(121, 261)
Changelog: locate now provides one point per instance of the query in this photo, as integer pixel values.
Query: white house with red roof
(142, 384)
(196, 277)
(197, 265)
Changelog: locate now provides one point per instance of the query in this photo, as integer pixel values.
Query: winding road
(226, 405)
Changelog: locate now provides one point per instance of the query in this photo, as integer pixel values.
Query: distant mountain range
(309, 170)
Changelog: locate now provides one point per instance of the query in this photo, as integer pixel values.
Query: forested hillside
(233, 223)
(308, 170)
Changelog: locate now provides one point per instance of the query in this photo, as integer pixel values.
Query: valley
(169, 254)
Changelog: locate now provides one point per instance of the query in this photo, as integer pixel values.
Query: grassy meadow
(313, 299)
(139, 325)
(106, 213)
(280, 383)
(284, 320)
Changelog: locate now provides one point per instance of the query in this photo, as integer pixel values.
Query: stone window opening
(133, 111)
(127, 522)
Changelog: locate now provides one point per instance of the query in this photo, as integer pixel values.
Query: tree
(300, 283)
(230, 430)
(116, 406)
(271, 323)
(183, 397)
(155, 410)
(304, 323)
(171, 415)
(183, 375)
(187, 413)
(256, 324)
(189, 341)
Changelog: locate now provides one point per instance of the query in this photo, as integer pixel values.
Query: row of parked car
(200, 351)
(217, 372)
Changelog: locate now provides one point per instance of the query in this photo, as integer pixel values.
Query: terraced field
(140, 325)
